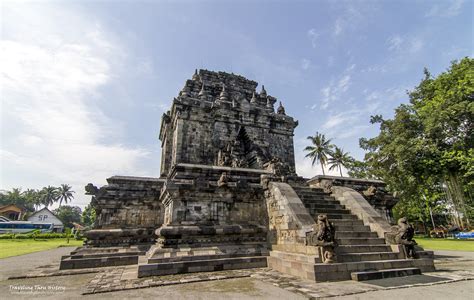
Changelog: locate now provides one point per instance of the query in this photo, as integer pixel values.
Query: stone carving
(91, 189)
(224, 156)
(223, 180)
(276, 166)
(370, 191)
(326, 185)
(402, 234)
(323, 236)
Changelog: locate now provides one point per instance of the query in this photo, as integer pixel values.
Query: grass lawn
(445, 244)
(16, 247)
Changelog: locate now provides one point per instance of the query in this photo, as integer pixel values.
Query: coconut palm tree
(65, 193)
(32, 197)
(339, 159)
(319, 150)
(49, 195)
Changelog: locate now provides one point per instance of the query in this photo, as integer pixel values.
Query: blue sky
(84, 84)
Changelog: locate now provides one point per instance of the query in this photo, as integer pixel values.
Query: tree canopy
(425, 153)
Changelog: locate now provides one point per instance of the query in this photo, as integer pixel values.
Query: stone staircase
(361, 254)
(203, 259)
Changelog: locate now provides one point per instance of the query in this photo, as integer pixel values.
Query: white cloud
(354, 122)
(54, 63)
(351, 16)
(416, 45)
(305, 64)
(313, 36)
(338, 119)
(405, 45)
(335, 89)
(338, 27)
(446, 9)
(394, 42)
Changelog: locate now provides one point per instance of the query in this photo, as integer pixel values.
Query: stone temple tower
(219, 119)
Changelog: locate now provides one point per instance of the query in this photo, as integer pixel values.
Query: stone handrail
(289, 220)
(360, 207)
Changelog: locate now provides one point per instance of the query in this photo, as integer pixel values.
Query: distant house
(46, 216)
(12, 212)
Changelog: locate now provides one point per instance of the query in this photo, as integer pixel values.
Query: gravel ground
(453, 264)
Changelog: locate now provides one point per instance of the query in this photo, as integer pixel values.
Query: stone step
(343, 222)
(349, 228)
(295, 257)
(320, 203)
(209, 265)
(315, 198)
(100, 255)
(154, 260)
(371, 256)
(332, 217)
(97, 262)
(308, 189)
(323, 206)
(387, 273)
(317, 211)
(342, 271)
(362, 248)
(355, 234)
(359, 241)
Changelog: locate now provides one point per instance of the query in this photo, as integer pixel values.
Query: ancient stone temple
(228, 197)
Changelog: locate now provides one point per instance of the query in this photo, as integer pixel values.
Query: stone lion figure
(324, 236)
(402, 234)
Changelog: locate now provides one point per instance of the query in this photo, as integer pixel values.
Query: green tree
(65, 193)
(359, 169)
(32, 197)
(319, 150)
(88, 216)
(68, 215)
(17, 197)
(49, 195)
(428, 144)
(339, 159)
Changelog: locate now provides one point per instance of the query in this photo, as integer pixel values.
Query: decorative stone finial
(269, 104)
(196, 75)
(224, 95)
(263, 93)
(281, 110)
(202, 93)
(254, 98)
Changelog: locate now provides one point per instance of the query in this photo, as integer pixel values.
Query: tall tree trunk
(340, 170)
(458, 197)
(322, 166)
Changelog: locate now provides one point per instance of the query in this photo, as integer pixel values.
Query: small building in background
(12, 212)
(46, 216)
